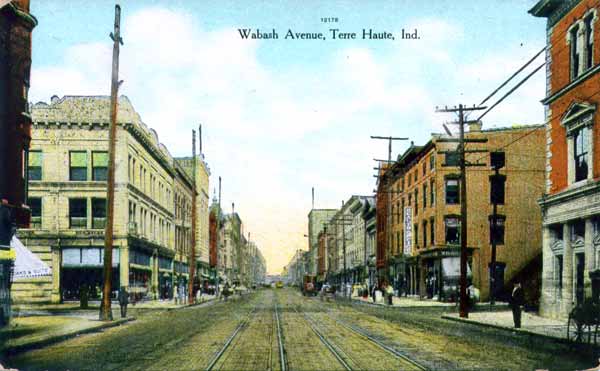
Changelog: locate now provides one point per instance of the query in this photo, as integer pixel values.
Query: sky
(280, 116)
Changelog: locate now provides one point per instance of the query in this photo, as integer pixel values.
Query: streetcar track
(282, 356)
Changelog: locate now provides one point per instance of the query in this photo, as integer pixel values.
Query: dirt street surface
(278, 329)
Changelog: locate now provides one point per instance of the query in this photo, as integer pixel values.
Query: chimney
(474, 126)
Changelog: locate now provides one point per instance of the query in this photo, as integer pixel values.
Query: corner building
(571, 203)
(67, 193)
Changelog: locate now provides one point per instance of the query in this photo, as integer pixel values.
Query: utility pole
(105, 309)
(389, 139)
(494, 231)
(219, 227)
(192, 257)
(464, 304)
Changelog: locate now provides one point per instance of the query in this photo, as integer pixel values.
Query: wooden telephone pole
(105, 310)
(192, 257)
(464, 304)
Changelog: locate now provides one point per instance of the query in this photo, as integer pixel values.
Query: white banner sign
(408, 231)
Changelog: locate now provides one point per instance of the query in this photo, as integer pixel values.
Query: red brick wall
(588, 91)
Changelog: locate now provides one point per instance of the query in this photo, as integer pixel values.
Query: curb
(508, 329)
(12, 350)
(409, 307)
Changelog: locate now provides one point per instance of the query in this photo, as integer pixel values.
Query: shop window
(497, 189)
(581, 142)
(452, 159)
(574, 52)
(452, 225)
(100, 166)
(497, 234)
(78, 166)
(98, 213)
(35, 205)
(452, 192)
(35, 165)
(77, 213)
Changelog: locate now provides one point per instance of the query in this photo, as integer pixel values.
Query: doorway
(579, 269)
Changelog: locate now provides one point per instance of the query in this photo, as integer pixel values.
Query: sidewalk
(406, 302)
(25, 333)
(35, 326)
(531, 323)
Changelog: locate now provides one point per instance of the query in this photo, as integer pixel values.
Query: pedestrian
(389, 290)
(517, 300)
(123, 301)
(373, 292)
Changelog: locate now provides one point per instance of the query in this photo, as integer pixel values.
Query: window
(424, 167)
(424, 195)
(432, 191)
(558, 273)
(416, 201)
(589, 42)
(424, 233)
(452, 230)
(402, 211)
(77, 213)
(99, 166)
(497, 185)
(398, 242)
(35, 205)
(580, 152)
(577, 230)
(497, 160)
(557, 232)
(452, 194)
(416, 232)
(98, 213)
(409, 199)
(452, 159)
(432, 230)
(78, 166)
(35, 165)
(432, 162)
(497, 234)
(574, 53)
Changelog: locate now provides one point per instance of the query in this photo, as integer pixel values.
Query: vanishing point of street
(278, 329)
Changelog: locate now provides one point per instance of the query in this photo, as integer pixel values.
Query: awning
(27, 264)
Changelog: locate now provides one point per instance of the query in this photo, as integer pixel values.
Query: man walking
(123, 301)
(517, 300)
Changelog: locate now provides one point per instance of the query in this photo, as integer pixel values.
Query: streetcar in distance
(279, 284)
(309, 285)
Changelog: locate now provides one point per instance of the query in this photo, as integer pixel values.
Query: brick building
(571, 204)
(423, 216)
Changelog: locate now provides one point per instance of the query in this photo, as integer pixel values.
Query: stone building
(571, 203)
(68, 169)
(202, 211)
(317, 219)
(424, 213)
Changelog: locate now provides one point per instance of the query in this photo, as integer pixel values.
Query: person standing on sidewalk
(517, 300)
(123, 301)
(389, 290)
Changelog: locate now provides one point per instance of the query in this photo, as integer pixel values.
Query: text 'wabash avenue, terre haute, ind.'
(331, 34)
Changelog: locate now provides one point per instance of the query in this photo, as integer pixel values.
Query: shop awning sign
(407, 231)
(27, 264)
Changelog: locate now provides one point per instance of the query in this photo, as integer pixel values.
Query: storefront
(441, 273)
(140, 275)
(82, 272)
(165, 277)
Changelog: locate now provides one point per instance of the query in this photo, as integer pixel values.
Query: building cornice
(583, 77)
(591, 187)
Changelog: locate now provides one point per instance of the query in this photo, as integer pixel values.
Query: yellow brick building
(68, 189)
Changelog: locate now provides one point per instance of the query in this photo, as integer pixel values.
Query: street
(278, 329)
